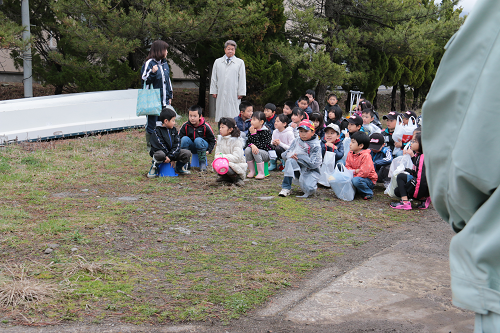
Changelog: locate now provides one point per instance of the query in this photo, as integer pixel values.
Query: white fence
(49, 117)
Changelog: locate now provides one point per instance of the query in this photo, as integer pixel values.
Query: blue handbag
(148, 102)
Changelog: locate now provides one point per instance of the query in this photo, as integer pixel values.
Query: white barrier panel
(48, 117)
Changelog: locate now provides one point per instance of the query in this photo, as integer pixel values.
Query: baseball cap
(306, 124)
(393, 115)
(355, 119)
(270, 106)
(335, 127)
(409, 114)
(376, 141)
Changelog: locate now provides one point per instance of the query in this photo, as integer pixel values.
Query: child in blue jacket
(381, 156)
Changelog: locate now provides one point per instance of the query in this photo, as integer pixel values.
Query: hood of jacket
(202, 122)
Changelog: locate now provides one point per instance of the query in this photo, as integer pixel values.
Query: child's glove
(411, 172)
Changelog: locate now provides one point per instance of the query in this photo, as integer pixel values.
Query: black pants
(405, 188)
(383, 173)
(279, 150)
(184, 156)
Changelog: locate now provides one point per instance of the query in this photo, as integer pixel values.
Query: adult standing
(155, 71)
(228, 84)
(459, 133)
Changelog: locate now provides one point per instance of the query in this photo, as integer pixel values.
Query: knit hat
(335, 127)
(270, 106)
(306, 124)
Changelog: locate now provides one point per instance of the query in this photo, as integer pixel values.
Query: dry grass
(19, 289)
(82, 265)
(275, 277)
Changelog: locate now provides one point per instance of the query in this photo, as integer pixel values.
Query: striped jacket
(159, 80)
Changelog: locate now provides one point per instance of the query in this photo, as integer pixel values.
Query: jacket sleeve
(242, 81)
(366, 167)
(147, 72)
(182, 131)
(237, 154)
(210, 137)
(213, 80)
(339, 152)
(348, 162)
(386, 160)
(323, 148)
(284, 155)
(173, 154)
(316, 157)
(158, 142)
(168, 84)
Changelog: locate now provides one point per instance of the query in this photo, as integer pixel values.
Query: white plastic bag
(404, 160)
(291, 166)
(402, 132)
(341, 183)
(347, 147)
(327, 168)
(398, 165)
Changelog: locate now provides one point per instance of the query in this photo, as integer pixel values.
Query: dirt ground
(427, 239)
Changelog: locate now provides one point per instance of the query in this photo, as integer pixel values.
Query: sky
(467, 5)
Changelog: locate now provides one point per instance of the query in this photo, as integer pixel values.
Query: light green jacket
(462, 155)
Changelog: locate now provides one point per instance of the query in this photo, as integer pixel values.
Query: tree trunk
(402, 97)
(321, 95)
(59, 89)
(202, 90)
(375, 103)
(347, 102)
(393, 97)
(416, 93)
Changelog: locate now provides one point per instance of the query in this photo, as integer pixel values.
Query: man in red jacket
(360, 161)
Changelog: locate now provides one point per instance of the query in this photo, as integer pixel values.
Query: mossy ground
(166, 249)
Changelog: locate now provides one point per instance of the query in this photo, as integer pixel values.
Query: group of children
(298, 138)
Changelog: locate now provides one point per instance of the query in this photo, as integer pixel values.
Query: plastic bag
(327, 168)
(291, 166)
(403, 132)
(347, 147)
(398, 165)
(341, 183)
(308, 182)
(148, 101)
(404, 160)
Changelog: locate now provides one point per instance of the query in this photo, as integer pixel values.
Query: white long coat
(228, 82)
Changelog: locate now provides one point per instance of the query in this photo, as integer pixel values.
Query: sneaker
(401, 205)
(182, 170)
(239, 182)
(221, 178)
(425, 204)
(284, 192)
(153, 172)
(368, 197)
(203, 168)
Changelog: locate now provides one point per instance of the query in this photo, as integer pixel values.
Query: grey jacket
(459, 130)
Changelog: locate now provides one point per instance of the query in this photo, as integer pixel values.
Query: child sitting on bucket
(165, 145)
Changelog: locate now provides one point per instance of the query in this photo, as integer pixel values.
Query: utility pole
(27, 67)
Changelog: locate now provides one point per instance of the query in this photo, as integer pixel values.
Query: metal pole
(27, 68)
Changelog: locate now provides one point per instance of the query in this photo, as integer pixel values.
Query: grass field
(128, 248)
